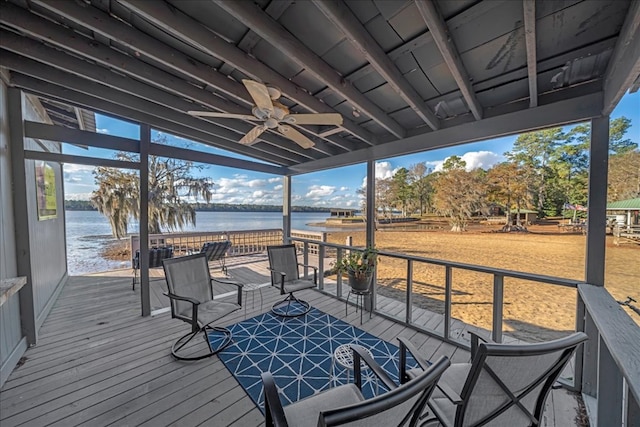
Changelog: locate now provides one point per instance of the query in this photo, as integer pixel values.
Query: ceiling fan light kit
(275, 116)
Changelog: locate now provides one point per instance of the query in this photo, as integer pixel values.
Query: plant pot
(359, 283)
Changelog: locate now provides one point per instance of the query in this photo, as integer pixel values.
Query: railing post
(609, 388)
(409, 306)
(338, 274)
(305, 258)
(448, 281)
(498, 298)
(321, 267)
(590, 357)
(631, 409)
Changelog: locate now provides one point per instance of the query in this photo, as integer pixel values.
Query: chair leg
(291, 307)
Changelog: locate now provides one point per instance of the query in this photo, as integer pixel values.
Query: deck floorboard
(99, 363)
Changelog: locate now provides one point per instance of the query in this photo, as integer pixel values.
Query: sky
(332, 188)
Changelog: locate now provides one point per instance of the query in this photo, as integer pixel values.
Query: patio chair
(345, 404)
(217, 251)
(156, 256)
(283, 264)
(191, 293)
(504, 385)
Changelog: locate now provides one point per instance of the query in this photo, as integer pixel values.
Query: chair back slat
(188, 276)
(399, 407)
(283, 258)
(215, 250)
(508, 384)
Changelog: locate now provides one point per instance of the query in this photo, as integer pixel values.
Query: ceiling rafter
(76, 68)
(190, 31)
(346, 21)
(224, 138)
(445, 44)
(253, 17)
(102, 23)
(274, 9)
(49, 32)
(624, 65)
(61, 93)
(529, 7)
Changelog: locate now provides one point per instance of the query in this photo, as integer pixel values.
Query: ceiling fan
(274, 115)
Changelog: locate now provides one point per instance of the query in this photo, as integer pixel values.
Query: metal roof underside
(406, 76)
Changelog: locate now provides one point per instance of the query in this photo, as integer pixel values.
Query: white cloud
(317, 191)
(344, 188)
(277, 187)
(102, 130)
(474, 160)
(78, 196)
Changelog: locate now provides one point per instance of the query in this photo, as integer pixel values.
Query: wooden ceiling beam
(76, 68)
(346, 21)
(624, 65)
(253, 17)
(223, 138)
(529, 7)
(438, 29)
(173, 59)
(193, 33)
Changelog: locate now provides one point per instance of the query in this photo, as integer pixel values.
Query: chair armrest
(448, 391)
(475, 342)
(359, 354)
(194, 309)
(231, 282)
(407, 346)
(273, 411)
(282, 274)
(315, 271)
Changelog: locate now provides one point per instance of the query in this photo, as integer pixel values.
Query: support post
(596, 226)
(498, 301)
(370, 303)
(409, 294)
(21, 215)
(145, 293)
(448, 285)
(286, 208)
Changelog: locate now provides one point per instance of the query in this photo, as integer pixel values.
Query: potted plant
(359, 266)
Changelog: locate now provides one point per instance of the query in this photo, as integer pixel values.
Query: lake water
(89, 231)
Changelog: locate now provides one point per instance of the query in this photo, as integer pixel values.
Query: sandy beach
(532, 311)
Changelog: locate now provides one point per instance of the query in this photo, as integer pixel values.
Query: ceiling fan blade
(260, 94)
(222, 115)
(295, 136)
(252, 135)
(314, 119)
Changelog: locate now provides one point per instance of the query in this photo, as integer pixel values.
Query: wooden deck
(98, 363)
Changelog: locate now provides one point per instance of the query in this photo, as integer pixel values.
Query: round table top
(344, 356)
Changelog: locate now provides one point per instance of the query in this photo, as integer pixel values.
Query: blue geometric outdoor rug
(298, 352)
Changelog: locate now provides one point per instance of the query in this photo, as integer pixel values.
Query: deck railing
(243, 242)
(607, 368)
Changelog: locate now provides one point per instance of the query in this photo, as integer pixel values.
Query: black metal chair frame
(156, 256)
(196, 327)
(423, 385)
(480, 351)
(279, 279)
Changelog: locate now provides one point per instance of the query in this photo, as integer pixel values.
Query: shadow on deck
(98, 362)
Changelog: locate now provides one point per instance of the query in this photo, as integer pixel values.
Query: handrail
(498, 284)
(611, 363)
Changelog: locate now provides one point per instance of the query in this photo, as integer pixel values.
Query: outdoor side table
(343, 356)
(251, 288)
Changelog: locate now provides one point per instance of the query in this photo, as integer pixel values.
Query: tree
(170, 181)
(532, 151)
(420, 183)
(458, 193)
(624, 176)
(507, 186)
(401, 190)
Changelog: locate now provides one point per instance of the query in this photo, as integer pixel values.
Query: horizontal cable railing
(497, 274)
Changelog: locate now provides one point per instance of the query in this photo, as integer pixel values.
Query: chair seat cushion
(298, 285)
(305, 412)
(213, 310)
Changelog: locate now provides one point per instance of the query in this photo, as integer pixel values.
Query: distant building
(343, 213)
(625, 212)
